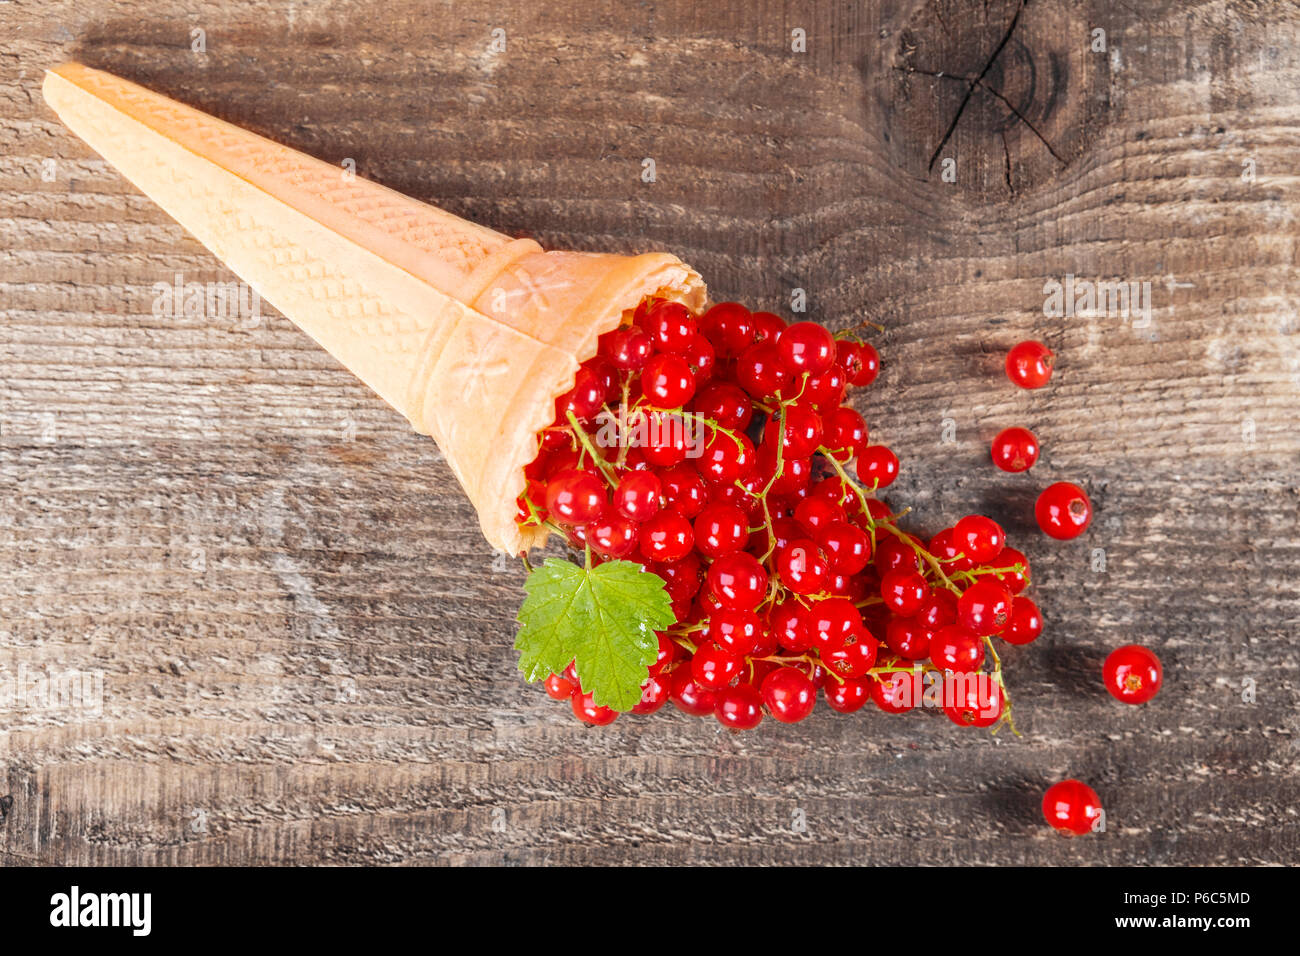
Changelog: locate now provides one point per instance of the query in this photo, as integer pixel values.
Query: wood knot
(993, 97)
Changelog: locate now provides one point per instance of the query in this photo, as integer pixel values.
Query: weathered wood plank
(305, 644)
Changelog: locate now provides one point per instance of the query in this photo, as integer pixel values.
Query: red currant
(586, 710)
(626, 348)
(978, 537)
(893, 553)
(825, 390)
(667, 381)
(806, 347)
(955, 649)
(904, 591)
(802, 434)
(689, 696)
(1025, 623)
(575, 497)
(844, 433)
(759, 372)
(683, 490)
(1063, 511)
(1029, 364)
(738, 581)
(832, 623)
(846, 546)
(729, 326)
(559, 687)
(612, 535)
(1015, 449)
(666, 537)
(1013, 581)
(701, 358)
(726, 458)
(637, 495)
(790, 695)
(720, 529)
(1071, 807)
(877, 466)
(681, 576)
(670, 326)
(938, 609)
(584, 399)
(802, 567)
(813, 514)
(852, 660)
(726, 404)
(847, 696)
(908, 638)
(944, 547)
(984, 608)
(973, 700)
(1132, 674)
(654, 694)
(734, 630)
(787, 623)
(739, 707)
(894, 693)
(767, 326)
(714, 668)
(862, 364)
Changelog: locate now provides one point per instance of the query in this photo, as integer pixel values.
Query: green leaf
(603, 618)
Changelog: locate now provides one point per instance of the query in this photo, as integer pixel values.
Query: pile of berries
(752, 493)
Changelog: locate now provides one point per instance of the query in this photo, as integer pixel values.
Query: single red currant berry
(978, 537)
(726, 404)
(668, 652)
(955, 649)
(1063, 511)
(1132, 674)
(894, 693)
(666, 537)
(559, 688)
(654, 694)
(847, 696)
(938, 609)
(729, 327)
(802, 567)
(767, 326)
(683, 490)
(852, 660)
(701, 358)
(584, 399)
(893, 553)
(904, 591)
(806, 347)
(714, 668)
(666, 442)
(790, 695)
(825, 391)
(1013, 581)
(690, 697)
(944, 547)
(726, 458)
(1071, 807)
(1015, 449)
(844, 433)
(682, 576)
(984, 608)
(667, 381)
(793, 479)
(670, 326)
(739, 707)
(908, 638)
(1025, 623)
(864, 365)
(787, 624)
(877, 466)
(832, 623)
(612, 535)
(627, 348)
(575, 497)
(813, 514)
(759, 372)
(1029, 364)
(846, 546)
(734, 630)
(738, 581)
(637, 495)
(802, 434)
(972, 700)
(721, 529)
(586, 710)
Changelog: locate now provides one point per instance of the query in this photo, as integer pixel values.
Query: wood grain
(305, 645)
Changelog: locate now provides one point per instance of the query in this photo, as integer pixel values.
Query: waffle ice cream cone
(468, 333)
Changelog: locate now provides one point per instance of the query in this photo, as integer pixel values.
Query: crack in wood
(1015, 19)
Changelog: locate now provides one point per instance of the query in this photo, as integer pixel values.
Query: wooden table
(305, 646)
